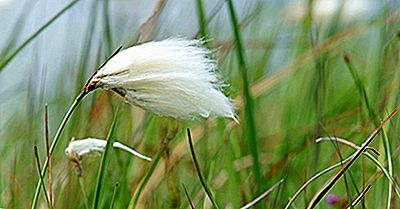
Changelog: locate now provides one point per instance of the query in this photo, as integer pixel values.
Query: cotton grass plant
(174, 77)
(299, 88)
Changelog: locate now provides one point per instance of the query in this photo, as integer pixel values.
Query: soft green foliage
(104, 163)
(291, 83)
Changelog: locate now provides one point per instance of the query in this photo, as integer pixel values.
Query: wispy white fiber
(78, 148)
(173, 77)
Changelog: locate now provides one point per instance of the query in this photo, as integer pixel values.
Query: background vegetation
(294, 74)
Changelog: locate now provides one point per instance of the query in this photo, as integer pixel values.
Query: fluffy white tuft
(78, 148)
(173, 77)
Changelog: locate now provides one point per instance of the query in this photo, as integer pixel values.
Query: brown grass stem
(332, 181)
(262, 196)
(46, 131)
(55, 141)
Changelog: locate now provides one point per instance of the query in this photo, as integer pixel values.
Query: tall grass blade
(332, 181)
(388, 175)
(16, 31)
(388, 152)
(199, 174)
(104, 162)
(201, 19)
(212, 15)
(249, 128)
(5, 62)
(188, 197)
(84, 193)
(60, 129)
(54, 142)
(40, 175)
(144, 180)
(313, 178)
(86, 47)
(359, 197)
(372, 114)
(107, 25)
(46, 133)
(361, 88)
(262, 196)
(114, 196)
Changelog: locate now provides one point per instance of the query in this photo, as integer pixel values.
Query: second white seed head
(92, 146)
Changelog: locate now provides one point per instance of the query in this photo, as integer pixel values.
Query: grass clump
(295, 77)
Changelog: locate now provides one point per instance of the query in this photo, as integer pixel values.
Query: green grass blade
(262, 196)
(114, 195)
(373, 117)
(144, 180)
(16, 31)
(188, 197)
(86, 47)
(368, 155)
(104, 162)
(359, 197)
(233, 175)
(84, 194)
(211, 15)
(202, 19)
(249, 128)
(332, 181)
(35, 34)
(107, 27)
(54, 143)
(361, 89)
(46, 128)
(200, 175)
(56, 138)
(313, 178)
(388, 152)
(41, 176)
(387, 173)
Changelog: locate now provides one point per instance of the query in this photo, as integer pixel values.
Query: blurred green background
(306, 69)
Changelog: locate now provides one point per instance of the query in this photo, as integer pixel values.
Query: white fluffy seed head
(91, 146)
(173, 77)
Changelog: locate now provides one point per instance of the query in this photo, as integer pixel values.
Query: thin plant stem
(34, 35)
(104, 162)
(249, 127)
(55, 141)
(40, 175)
(200, 175)
(202, 19)
(144, 180)
(64, 121)
(388, 175)
(107, 25)
(188, 197)
(85, 196)
(332, 181)
(262, 196)
(313, 178)
(114, 195)
(360, 196)
(46, 130)
(372, 114)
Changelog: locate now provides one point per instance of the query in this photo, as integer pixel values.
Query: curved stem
(54, 142)
(313, 178)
